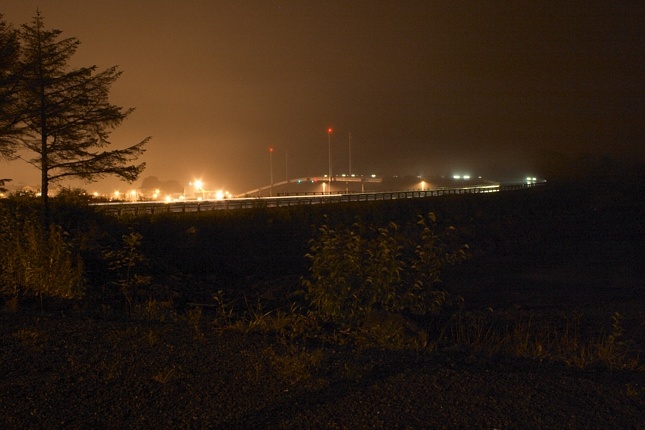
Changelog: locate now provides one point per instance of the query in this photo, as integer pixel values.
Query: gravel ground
(69, 372)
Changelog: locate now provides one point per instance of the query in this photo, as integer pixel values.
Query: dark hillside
(583, 223)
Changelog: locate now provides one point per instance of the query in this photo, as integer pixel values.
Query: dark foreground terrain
(76, 370)
(65, 372)
(57, 374)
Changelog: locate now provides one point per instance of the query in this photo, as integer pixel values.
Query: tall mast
(350, 154)
(329, 130)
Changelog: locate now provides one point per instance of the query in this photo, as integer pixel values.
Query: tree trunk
(44, 159)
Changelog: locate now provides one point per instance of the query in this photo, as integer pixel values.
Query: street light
(349, 150)
(329, 131)
(271, 171)
(199, 186)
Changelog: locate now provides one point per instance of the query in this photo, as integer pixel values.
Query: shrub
(357, 269)
(36, 262)
(127, 263)
(72, 197)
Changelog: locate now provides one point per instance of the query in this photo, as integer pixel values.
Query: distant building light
(456, 177)
(466, 176)
(373, 176)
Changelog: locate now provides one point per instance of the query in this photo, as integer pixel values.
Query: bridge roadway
(183, 206)
(318, 179)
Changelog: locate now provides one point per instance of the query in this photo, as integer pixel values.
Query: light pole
(199, 186)
(349, 150)
(271, 171)
(329, 130)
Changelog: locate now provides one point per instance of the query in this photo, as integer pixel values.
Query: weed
(612, 350)
(392, 331)
(472, 331)
(255, 319)
(561, 341)
(152, 338)
(194, 319)
(126, 263)
(223, 310)
(166, 375)
(356, 270)
(37, 262)
(155, 310)
(295, 365)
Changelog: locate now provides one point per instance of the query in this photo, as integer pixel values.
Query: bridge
(340, 183)
(184, 206)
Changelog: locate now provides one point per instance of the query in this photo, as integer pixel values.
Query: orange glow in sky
(424, 87)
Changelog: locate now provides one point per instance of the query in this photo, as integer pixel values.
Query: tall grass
(561, 340)
(37, 262)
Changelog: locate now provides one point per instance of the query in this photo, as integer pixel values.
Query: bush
(36, 262)
(358, 269)
(127, 264)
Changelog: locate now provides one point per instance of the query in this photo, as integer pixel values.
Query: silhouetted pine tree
(65, 114)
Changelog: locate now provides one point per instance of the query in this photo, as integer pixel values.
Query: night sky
(493, 88)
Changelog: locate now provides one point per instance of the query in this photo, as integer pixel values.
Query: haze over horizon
(424, 88)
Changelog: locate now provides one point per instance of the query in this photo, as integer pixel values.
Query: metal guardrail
(141, 208)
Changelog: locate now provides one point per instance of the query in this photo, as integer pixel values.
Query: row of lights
(133, 195)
